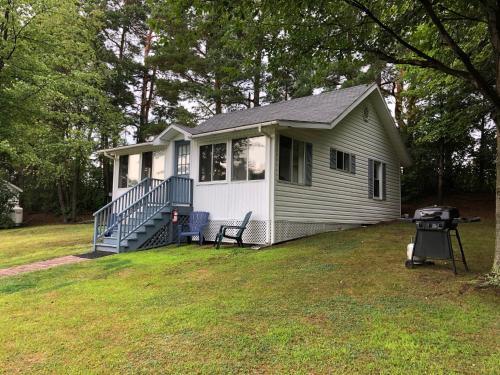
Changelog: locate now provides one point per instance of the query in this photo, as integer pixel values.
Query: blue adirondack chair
(237, 236)
(198, 220)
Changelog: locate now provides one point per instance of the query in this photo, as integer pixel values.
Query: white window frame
(377, 171)
(300, 183)
(212, 181)
(247, 156)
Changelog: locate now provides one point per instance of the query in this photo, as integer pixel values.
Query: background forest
(78, 76)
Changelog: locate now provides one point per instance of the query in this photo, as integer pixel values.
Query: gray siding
(336, 196)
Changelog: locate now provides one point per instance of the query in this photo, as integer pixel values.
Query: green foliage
(7, 197)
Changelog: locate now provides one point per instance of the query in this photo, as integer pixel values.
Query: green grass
(31, 244)
(334, 303)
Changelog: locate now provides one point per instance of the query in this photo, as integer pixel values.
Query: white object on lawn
(409, 252)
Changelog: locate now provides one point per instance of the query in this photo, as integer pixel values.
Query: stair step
(106, 247)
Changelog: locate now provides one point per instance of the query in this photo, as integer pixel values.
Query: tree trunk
(398, 100)
(481, 162)
(440, 173)
(146, 79)
(257, 79)
(74, 191)
(62, 204)
(496, 260)
(218, 99)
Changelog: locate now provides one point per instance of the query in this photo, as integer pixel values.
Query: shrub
(7, 197)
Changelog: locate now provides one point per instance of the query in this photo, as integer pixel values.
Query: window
(376, 179)
(285, 159)
(182, 158)
(159, 165)
(212, 162)
(295, 161)
(147, 165)
(342, 161)
(248, 158)
(122, 171)
(134, 170)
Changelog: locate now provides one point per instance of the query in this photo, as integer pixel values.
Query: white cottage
(304, 166)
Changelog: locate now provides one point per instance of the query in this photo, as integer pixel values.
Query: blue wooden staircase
(141, 218)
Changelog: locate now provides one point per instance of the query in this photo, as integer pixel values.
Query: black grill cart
(435, 225)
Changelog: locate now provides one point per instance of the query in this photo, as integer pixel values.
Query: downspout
(109, 156)
(271, 155)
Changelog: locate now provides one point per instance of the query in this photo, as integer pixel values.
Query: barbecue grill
(435, 225)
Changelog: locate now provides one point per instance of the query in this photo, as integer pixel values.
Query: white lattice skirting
(256, 232)
(289, 230)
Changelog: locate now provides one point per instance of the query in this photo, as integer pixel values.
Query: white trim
(257, 125)
(212, 181)
(304, 125)
(272, 167)
(390, 125)
(349, 109)
(159, 139)
(127, 147)
(14, 187)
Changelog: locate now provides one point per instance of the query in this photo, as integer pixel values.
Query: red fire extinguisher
(175, 216)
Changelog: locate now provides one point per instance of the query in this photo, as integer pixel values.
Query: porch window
(133, 168)
(123, 171)
(182, 156)
(295, 161)
(212, 162)
(249, 158)
(147, 165)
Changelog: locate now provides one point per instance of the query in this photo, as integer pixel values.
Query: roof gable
(322, 108)
(322, 111)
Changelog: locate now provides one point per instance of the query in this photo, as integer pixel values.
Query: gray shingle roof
(321, 108)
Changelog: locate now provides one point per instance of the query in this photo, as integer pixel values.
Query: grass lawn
(334, 303)
(32, 244)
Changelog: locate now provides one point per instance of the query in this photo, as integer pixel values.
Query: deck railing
(105, 219)
(173, 191)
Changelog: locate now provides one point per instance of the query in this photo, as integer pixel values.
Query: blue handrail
(175, 190)
(105, 219)
(141, 207)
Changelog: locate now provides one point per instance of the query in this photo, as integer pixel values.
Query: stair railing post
(119, 234)
(95, 232)
(190, 192)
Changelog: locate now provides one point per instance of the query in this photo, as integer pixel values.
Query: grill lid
(436, 213)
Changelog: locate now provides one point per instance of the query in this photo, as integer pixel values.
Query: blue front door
(182, 158)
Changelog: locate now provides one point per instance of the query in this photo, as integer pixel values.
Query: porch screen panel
(256, 158)
(219, 162)
(240, 157)
(159, 165)
(147, 165)
(134, 170)
(205, 163)
(123, 171)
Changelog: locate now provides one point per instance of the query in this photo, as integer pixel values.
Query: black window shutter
(384, 184)
(333, 158)
(353, 164)
(370, 178)
(309, 164)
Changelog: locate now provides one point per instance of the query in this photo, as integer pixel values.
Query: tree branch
(479, 81)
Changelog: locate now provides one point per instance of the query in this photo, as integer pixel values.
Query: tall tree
(195, 50)
(457, 38)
